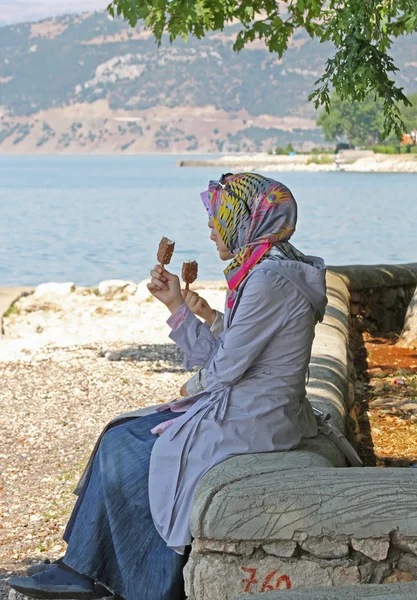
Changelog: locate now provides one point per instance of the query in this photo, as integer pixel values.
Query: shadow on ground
(165, 358)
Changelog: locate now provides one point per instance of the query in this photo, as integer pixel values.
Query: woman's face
(222, 249)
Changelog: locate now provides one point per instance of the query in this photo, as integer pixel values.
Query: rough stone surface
(111, 287)
(316, 501)
(381, 572)
(377, 276)
(219, 577)
(408, 562)
(142, 293)
(282, 549)
(237, 548)
(403, 543)
(345, 576)
(130, 289)
(389, 297)
(316, 452)
(327, 386)
(408, 337)
(377, 549)
(380, 297)
(51, 291)
(397, 576)
(366, 571)
(393, 591)
(325, 547)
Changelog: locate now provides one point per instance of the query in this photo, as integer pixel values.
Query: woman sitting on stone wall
(129, 530)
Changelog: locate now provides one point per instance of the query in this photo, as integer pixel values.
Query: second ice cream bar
(165, 251)
(189, 272)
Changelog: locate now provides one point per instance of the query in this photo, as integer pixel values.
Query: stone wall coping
(310, 502)
(393, 591)
(361, 277)
(327, 387)
(240, 470)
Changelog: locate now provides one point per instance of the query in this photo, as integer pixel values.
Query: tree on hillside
(409, 115)
(362, 123)
(360, 30)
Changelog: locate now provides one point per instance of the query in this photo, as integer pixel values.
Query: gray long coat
(255, 390)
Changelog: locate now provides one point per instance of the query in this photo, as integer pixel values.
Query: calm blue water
(89, 218)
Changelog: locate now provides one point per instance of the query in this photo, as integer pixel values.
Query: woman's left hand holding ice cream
(166, 287)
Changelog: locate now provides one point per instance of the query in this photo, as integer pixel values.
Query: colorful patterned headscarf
(252, 213)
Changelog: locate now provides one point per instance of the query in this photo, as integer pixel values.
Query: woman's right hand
(199, 306)
(166, 287)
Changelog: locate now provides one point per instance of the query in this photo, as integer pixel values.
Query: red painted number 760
(282, 582)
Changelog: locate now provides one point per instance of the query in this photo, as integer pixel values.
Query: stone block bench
(304, 527)
(300, 519)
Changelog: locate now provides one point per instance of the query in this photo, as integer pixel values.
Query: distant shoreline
(358, 162)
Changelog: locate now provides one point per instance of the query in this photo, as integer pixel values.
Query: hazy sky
(14, 11)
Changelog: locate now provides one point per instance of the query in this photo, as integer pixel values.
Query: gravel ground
(55, 400)
(53, 408)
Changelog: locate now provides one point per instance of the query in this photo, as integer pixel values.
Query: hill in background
(20, 11)
(87, 83)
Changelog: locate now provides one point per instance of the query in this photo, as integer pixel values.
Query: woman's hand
(199, 306)
(165, 286)
(183, 390)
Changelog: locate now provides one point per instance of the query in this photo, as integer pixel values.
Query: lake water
(89, 218)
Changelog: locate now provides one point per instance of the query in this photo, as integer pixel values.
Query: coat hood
(307, 274)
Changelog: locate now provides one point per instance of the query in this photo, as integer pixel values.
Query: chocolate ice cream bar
(189, 272)
(165, 251)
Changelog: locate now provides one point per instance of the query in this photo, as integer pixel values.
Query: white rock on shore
(53, 291)
(111, 287)
(124, 312)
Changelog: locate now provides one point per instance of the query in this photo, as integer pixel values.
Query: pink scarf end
(236, 280)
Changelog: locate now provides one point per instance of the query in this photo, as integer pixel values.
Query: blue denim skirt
(111, 536)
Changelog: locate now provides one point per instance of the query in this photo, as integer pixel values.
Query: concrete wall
(380, 294)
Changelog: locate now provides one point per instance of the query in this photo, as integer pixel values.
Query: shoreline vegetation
(350, 161)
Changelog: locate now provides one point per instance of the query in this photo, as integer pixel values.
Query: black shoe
(39, 567)
(60, 582)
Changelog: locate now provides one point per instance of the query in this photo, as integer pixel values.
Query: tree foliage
(409, 115)
(360, 30)
(362, 123)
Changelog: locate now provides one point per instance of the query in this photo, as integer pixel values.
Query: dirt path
(389, 397)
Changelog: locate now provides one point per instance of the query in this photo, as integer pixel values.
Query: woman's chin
(225, 255)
